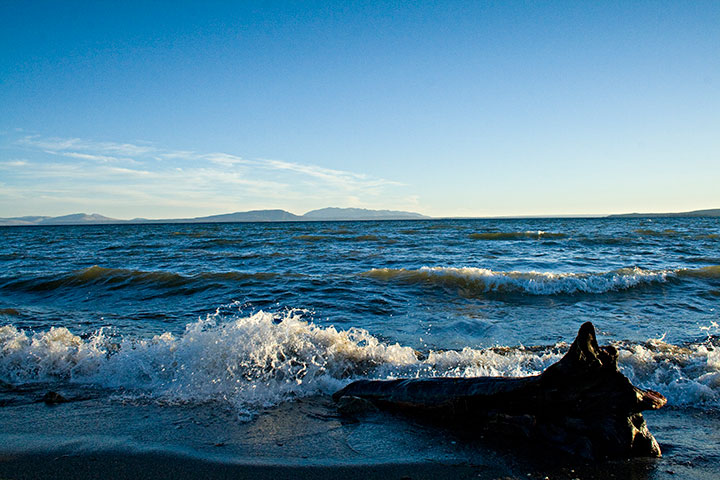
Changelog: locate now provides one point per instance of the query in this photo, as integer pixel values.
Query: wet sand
(131, 466)
(306, 439)
(163, 466)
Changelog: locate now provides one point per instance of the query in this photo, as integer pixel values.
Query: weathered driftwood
(581, 404)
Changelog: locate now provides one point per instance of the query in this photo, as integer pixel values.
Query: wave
(645, 232)
(642, 235)
(264, 359)
(338, 231)
(249, 362)
(529, 235)
(223, 242)
(200, 234)
(357, 238)
(710, 272)
(607, 240)
(480, 280)
(120, 277)
(470, 280)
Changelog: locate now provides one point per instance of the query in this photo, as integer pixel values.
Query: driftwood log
(582, 404)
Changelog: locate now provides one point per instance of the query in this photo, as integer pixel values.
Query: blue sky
(449, 108)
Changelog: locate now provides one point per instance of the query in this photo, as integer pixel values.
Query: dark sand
(96, 437)
(124, 465)
(163, 466)
(133, 466)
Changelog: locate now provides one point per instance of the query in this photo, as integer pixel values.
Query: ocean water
(259, 318)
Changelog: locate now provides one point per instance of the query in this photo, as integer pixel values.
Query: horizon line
(180, 220)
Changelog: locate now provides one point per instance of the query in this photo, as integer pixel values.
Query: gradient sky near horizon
(453, 108)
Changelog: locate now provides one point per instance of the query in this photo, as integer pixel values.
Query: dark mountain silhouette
(715, 212)
(250, 216)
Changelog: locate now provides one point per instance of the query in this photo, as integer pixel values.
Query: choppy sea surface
(259, 316)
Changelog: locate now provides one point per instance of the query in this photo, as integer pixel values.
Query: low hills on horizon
(323, 214)
(713, 212)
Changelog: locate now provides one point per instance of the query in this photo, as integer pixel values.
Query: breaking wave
(686, 375)
(249, 362)
(264, 359)
(481, 280)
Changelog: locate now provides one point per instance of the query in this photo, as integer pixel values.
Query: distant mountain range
(324, 214)
(715, 212)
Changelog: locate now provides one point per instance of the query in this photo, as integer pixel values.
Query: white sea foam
(483, 280)
(264, 359)
(249, 362)
(688, 375)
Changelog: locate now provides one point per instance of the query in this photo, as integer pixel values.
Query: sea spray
(250, 362)
(686, 375)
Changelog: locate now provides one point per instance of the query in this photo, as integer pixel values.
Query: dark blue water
(254, 316)
(636, 279)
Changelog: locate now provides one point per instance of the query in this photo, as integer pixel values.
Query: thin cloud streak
(339, 178)
(224, 159)
(13, 163)
(55, 144)
(94, 157)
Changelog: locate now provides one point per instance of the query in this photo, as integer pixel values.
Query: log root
(582, 404)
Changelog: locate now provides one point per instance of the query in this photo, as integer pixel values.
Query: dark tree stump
(581, 404)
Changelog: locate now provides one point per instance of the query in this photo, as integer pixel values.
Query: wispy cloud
(177, 154)
(89, 156)
(13, 163)
(337, 178)
(310, 173)
(157, 181)
(225, 159)
(55, 144)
